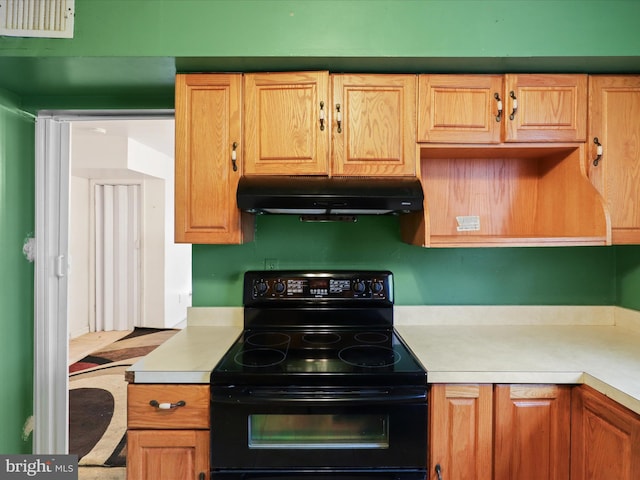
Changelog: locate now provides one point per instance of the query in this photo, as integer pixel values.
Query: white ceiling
(154, 133)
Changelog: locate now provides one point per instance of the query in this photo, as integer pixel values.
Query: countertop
(597, 346)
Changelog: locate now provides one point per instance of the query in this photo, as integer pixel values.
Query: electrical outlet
(270, 264)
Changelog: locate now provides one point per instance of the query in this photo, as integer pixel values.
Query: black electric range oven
(319, 385)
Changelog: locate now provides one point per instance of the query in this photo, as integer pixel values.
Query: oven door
(315, 430)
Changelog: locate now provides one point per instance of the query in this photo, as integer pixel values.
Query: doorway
(56, 171)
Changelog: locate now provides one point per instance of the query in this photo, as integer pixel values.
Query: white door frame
(51, 390)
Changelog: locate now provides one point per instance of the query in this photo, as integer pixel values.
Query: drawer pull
(167, 406)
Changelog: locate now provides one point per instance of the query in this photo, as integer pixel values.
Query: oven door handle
(369, 396)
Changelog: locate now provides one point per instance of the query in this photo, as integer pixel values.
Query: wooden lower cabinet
(605, 438)
(168, 454)
(168, 443)
(532, 435)
(502, 432)
(460, 432)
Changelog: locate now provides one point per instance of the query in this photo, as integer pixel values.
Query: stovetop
(329, 328)
(319, 357)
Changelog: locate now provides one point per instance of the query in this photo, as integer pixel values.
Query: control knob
(279, 287)
(359, 286)
(376, 287)
(261, 287)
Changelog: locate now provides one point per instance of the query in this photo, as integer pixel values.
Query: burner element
(321, 338)
(269, 339)
(371, 337)
(260, 357)
(371, 356)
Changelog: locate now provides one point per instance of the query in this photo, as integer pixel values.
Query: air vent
(37, 18)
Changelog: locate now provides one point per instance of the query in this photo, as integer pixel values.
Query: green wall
(628, 276)
(16, 298)
(483, 276)
(345, 28)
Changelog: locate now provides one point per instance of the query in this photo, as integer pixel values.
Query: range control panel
(324, 285)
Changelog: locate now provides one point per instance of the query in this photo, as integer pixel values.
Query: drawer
(193, 414)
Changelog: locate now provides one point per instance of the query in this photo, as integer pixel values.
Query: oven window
(319, 431)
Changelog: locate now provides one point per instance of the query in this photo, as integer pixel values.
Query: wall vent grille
(37, 18)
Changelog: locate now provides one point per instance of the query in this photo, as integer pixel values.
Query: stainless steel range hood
(307, 195)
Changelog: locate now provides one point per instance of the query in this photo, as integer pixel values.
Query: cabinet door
(168, 454)
(285, 132)
(460, 108)
(545, 108)
(208, 125)
(376, 134)
(532, 436)
(460, 436)
(605, 438)
(614, 113)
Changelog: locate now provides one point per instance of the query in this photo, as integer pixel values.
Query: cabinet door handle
(499, 115)
(439, 471)
(167, 406)
(201, 476)
(596, 160)
(514, 105)
(339, 118)
(234, 156)
(321, 115)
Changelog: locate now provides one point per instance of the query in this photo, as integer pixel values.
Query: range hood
(308, 195)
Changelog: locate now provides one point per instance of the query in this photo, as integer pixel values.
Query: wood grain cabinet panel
(286, 123)
(532, 432)
(545, 108)
(496, 108)
(168, 444)
(168, 454)
(605, 438)
(614, 124)
(194, 413)
(459, 108)
(208, 137)
(460, 432)
(374, 125)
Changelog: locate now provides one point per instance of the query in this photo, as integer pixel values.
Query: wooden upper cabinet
(496, 108)
(461, 427)
(208, 131)
(374, 125)
(285, 132)
(532, 432)
(545, 108)
(459, 108)
(605, 438)
(614, 124)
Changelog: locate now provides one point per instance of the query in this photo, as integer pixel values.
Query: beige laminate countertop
(598, 346)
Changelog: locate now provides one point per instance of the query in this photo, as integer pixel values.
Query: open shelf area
(506, 195)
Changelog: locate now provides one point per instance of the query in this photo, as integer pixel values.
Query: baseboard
(75, 333)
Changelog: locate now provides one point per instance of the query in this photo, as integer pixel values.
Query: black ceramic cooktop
(327, 357)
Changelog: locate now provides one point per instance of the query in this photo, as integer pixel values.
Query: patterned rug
(98, 398)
